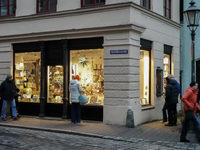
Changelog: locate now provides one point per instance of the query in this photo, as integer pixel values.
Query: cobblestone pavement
(24, 139)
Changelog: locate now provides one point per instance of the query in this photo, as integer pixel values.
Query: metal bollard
(130, 119)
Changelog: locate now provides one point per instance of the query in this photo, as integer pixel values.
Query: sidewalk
(154, 131)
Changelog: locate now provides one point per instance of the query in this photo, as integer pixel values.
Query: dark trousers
(76, 113)
(164, 110)
(186, 126)
(172, 113)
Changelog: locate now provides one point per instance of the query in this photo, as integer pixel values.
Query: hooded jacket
(171, 92)
(190, 99)
(75, 90)
(8, 90)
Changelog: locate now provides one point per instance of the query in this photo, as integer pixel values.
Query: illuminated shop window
(166, 67)
(55, 84)
(27, 76)
(144, 77)
(89, 65)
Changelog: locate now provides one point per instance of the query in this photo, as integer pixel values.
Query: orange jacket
(190, 99)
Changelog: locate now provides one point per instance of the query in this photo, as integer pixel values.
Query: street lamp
(192, 15)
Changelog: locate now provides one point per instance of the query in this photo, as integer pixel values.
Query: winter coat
(178, 86)
(75, 90)
(8, 90)
(171, 92)
(190, 99)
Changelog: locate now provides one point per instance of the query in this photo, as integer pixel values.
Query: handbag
(83, 99)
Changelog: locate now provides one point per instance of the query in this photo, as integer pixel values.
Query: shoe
(15, 118)
(163, 121)
(4, 119)
(79, 122)
(72, 123)
(168, 124)
(185, 140)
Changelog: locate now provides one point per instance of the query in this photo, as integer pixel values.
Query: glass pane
(146, 4)
(87, 2)
(168, 4)
(12, 2)
(164, 3)
(55, 84)
(43, 6)
(197, 17)
(52, 4)
(3, 2)
(100, 1)
(27, 76)
(11, 10)
(89, 66)
(3, 11)
(166, 67)
(191, 16)
(144, 77)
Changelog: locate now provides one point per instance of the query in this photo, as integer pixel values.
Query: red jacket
(190, 99)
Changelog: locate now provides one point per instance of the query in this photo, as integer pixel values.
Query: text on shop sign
(118, 51)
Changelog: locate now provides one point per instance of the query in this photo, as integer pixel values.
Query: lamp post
(192, 15)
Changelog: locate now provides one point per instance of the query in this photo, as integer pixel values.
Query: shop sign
(118, 52)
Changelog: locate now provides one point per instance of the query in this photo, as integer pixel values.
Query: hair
(77, 77)
(167, 78)
(171, 76)
(192, 84)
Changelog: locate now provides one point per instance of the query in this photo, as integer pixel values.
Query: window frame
(93, 3)
(146, 45)
(47, 8)
(165, 8)
(143, 4)
(8, 8)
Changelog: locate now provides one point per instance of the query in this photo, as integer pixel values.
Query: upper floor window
(85, 3)
(167, 8)
(46, 5)
(8, 7)
(146, 3)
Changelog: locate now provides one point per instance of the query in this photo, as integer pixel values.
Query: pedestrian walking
(75, 90)
(7, 94)
(190, 107)
(171, 100)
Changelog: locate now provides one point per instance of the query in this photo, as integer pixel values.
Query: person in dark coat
(7, 94)
(171, 100)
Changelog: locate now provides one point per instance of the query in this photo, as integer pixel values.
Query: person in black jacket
(171, 100)
(7, 94)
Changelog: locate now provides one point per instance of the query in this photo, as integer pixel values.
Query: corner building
(122, 50)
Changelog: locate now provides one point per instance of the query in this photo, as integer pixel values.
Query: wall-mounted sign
(118, 52)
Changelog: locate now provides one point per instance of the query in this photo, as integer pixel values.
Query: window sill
(148, 107)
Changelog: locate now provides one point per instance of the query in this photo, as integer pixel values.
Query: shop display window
(144, 77)
(55, 84)
(166, 67)
(27, 76)
(89, 65)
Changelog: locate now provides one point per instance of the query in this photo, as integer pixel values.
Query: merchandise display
(55, 84)
(88, 64)
(27, 76)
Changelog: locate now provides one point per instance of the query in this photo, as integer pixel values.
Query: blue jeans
(4, 106)
(186, 126)
(76, 113)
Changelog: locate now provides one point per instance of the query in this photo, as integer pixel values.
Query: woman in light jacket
(190, 100)
(75, 90)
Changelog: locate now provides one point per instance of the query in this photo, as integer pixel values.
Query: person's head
(194, 85)
(171, 77)
(167, 78)
(9, 77)
(77, 77)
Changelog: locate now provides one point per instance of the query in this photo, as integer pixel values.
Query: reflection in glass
(27, 76)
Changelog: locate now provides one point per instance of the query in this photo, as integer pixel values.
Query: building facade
(122, 50)
(186, 45)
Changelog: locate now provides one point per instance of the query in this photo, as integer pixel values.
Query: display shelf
(19, 77)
